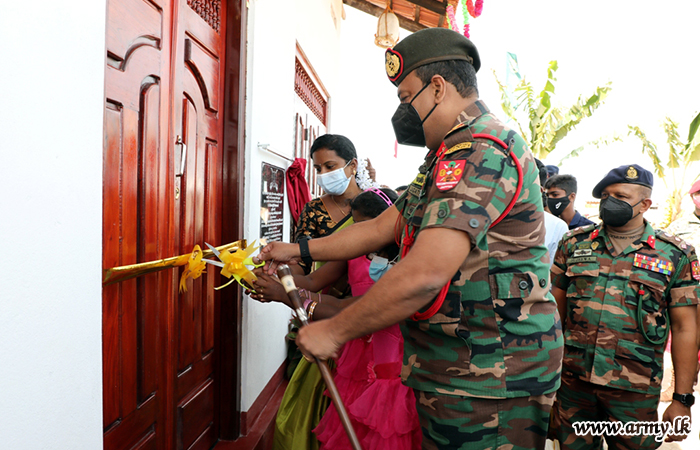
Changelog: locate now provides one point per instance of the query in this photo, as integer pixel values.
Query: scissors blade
(215, 263)
(214, 250)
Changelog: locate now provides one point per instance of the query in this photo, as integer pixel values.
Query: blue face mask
(378, 267)
(334, 182)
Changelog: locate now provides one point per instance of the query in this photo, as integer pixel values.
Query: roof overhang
(413, 15)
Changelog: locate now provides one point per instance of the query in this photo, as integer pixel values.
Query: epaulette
(674, 240)
(579, 230)
(462, 139)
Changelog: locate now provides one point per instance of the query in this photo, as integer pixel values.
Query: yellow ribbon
(195, 267)
(235, 263)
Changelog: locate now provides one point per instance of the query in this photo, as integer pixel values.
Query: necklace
(338, 206)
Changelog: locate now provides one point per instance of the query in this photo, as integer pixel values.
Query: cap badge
(393, 64)
(632, 173)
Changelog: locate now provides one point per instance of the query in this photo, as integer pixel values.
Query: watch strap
(686, 399)
(304, 251)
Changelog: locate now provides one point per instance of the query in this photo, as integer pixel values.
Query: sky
(646, 49)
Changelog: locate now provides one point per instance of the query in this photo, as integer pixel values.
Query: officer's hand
(317, 339)
(276, 253)
(677, 409)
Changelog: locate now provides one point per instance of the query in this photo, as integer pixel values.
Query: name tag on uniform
(581, 259)
(653, 264)
(416, 186)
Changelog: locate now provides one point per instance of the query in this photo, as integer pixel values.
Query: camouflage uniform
(616, 327)
(497, 335)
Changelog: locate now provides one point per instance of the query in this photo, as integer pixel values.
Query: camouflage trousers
(451, 422)
(579, 401)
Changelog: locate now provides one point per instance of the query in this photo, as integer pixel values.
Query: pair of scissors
(235, 265)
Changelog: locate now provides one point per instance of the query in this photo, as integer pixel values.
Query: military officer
(483, 341)
(620, 286)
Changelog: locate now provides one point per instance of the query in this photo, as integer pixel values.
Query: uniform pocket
(634, 365)
(582, 280)
(575, 345)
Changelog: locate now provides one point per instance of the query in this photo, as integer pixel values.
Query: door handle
(183, 155)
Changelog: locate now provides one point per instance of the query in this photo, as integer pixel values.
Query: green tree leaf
(693, 129)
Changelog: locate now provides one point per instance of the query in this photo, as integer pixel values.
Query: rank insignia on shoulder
(449, 174)
(695, 269)
(655, 264)
(455, 148)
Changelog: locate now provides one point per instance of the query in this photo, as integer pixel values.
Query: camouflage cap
(428, 46)
(630, 173)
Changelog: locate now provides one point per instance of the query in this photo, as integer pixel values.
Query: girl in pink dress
(382, 410)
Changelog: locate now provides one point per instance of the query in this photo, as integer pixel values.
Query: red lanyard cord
(409, 236)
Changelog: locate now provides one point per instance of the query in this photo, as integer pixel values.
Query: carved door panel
(162, 80)
(198, 61)
(135, 225)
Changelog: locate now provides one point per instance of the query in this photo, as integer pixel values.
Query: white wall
(274, 26)
(51, 108)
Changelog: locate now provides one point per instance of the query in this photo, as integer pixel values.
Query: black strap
(304, 251)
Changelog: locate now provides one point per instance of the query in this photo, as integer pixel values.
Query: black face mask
(557, 205)
(616, 213)
(408, 126)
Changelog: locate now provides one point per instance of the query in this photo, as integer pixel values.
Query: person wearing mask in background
(554, 226)
(561, 194)
(620, 287)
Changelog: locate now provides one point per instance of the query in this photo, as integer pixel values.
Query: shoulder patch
(675, 241)
(449, 173)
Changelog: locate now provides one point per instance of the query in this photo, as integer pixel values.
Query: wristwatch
(304, 251)
(686, 399)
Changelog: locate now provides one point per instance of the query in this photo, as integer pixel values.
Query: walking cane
(285, 276)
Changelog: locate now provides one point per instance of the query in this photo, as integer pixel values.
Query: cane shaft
(285, 276)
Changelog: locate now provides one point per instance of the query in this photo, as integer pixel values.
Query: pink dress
(382, 410)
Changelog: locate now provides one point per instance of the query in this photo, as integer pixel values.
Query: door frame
(229, 334)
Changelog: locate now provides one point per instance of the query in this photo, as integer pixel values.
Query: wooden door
(135, 226)
(164, 59)
(197, 93)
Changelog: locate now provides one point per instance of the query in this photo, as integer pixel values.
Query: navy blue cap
(630, 173)
(552, 170)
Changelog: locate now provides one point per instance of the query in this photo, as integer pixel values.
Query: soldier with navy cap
(621, 286)
(482, 339)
